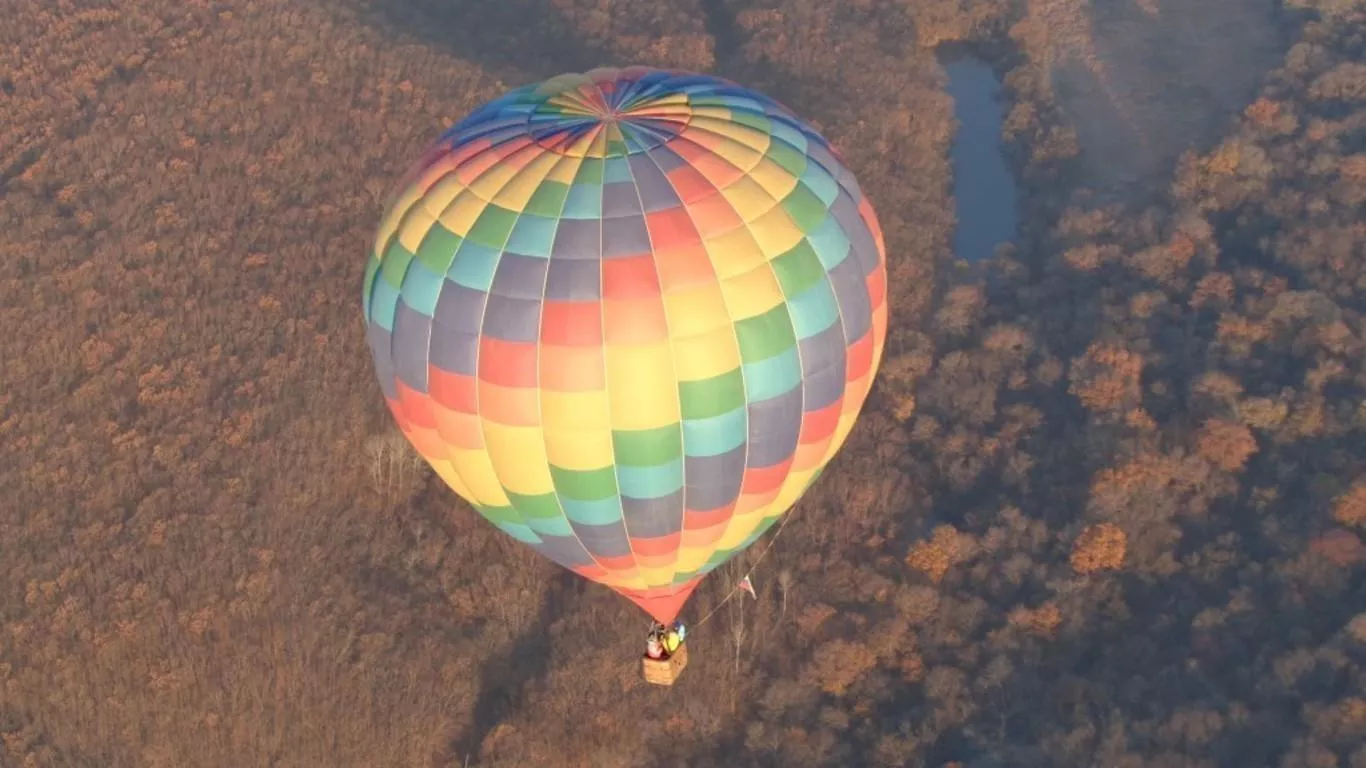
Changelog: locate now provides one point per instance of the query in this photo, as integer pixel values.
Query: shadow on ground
(517, 41)
(1175, 75)
(504, 678)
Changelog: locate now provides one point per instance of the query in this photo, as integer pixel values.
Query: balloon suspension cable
(786, 519)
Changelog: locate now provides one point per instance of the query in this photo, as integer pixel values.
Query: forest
(1105, 505)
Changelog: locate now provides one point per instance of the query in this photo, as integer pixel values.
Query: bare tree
(395, 467)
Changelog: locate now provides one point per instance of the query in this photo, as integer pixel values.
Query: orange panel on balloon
(459, 430)
(765, 479)
(415, 407)
(817, 426)
(572, 369)
(629, 279)
(671, 228)
(685, 266)
(860, 356)
(634, 321)
(452, 390)
(510, 406)
(697, 519)
(690, 185)
(571, 323)
(509, 363)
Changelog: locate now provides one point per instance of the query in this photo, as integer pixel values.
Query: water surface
(984, 189)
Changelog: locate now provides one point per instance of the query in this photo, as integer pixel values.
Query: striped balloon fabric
(629, 315)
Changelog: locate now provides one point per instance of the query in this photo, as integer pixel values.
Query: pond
(984, 189)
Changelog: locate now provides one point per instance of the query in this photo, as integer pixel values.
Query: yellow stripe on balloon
(741, 155)
(641, 384)
(515, 195)
(656, 577)
(677, 101)
(575, 410)
(696, 310)
(792, 488)
(740, 528)
(752, 293)
(493, 180)
(414, 228)
(460, 215)
(775, 231)
(389, 225)
(734, 252)
(581, 146)
(564, 171)
(442, 194)
(710, 114)
(775, 179)
(445, 470)
(706, 355)
(749, 198)
(579, 450)
(476, 470)
(519, 456)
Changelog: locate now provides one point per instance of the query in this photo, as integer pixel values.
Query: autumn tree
(945, 548)
(1226, 444)
(1350, 507)
(1099, 547)
(1106, 378)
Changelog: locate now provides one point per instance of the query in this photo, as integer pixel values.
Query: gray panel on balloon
(380, 345)
(713, 481)
(652, 518)
(823, 364)
(460, 308)
(851, 291)
(619, 198)
(574, 280)
(774, 425)
(516, 320)
(565, 550)
(625, 236)
(453, 351)
(520, 277)
(656, 192)
(603, 540)
(578, 239)
(412, 330)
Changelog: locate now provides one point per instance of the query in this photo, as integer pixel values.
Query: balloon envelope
(629, 315)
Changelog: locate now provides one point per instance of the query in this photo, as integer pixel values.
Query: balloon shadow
(517, 41)
(504, 679)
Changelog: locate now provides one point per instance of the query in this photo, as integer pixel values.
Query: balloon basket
(666, 671)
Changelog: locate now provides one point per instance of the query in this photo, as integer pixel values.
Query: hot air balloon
(628, 315)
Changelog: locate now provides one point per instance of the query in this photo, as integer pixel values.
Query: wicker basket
(666, 671)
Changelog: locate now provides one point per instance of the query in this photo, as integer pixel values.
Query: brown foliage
(1100, 547)
(1350, 508)
(1043, 621)
(1226, 444)
(1106, 379)
(1214, 289)
(1262, 111)
(837, 664)
(1340, 547)
(944, 548)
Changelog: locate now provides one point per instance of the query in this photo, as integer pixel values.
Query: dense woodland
(1105, 506)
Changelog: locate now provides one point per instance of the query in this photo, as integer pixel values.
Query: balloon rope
(786, 518)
